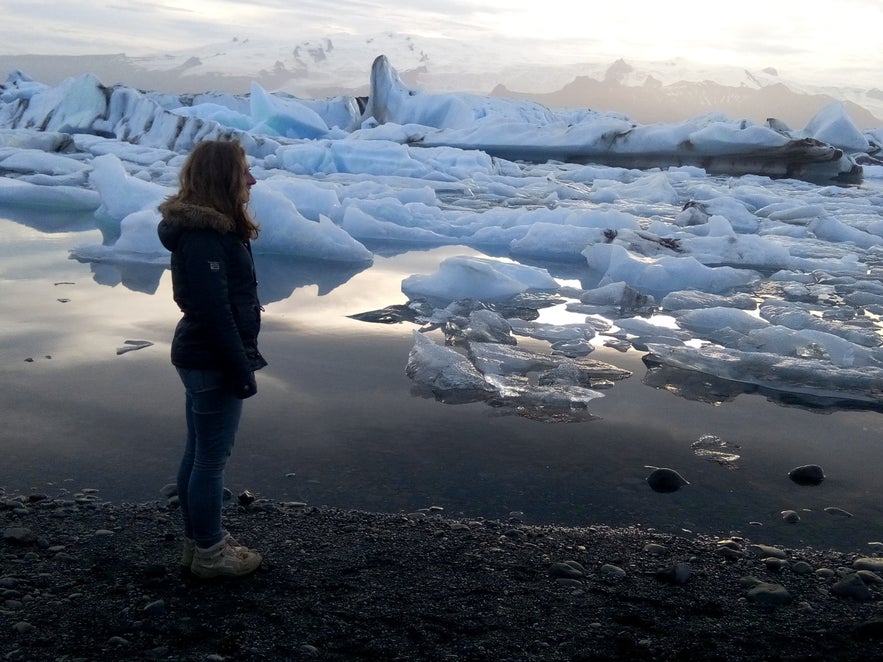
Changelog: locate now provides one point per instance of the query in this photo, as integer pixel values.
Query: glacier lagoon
(337, 421)
(744, 309)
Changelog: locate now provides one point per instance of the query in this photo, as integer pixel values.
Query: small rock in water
(790, 516)
(665, 480)
(807, 474)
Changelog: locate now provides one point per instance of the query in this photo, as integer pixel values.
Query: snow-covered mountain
(340, 64)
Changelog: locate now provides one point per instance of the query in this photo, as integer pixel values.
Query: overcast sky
(841, 37)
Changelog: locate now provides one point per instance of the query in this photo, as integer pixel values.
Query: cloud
(755, 33)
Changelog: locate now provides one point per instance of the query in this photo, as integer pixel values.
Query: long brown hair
(212, 177)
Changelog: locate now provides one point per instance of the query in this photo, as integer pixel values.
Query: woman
(208, 230)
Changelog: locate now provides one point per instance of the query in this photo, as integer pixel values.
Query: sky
(832, 37)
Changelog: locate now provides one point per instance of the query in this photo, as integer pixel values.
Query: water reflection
(280, 275)
(49, 221)
(138, 277)
(337, 409)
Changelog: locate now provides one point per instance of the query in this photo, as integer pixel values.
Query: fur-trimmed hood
(180, 216)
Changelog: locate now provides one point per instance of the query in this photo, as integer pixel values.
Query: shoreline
(88, 579)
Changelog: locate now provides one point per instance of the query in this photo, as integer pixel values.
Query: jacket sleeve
(206, 269)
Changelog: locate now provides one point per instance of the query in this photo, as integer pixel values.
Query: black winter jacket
(214, 285)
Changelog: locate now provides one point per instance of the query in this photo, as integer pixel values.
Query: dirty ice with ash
(749, 254)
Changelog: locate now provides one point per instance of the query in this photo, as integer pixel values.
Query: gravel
(85, 579)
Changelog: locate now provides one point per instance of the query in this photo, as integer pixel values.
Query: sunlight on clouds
(756, 33)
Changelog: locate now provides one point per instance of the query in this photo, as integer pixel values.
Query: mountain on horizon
(654, 102)
(340, 66)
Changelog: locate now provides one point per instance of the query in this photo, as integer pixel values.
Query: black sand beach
(84, 579)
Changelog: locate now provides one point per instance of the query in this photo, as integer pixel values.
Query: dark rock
(870, 629)
(19, 535)
(665, 480)
(852, 587)
(769, 594)
(807, 474)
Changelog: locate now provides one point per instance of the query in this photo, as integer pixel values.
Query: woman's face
(248, 181)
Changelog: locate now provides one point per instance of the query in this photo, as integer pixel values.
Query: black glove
(245, 386)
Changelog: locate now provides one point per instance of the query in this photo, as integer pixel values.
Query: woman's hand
(245, 386)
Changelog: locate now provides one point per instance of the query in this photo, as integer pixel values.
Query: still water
(337, 422)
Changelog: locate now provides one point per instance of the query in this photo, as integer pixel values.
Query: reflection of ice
(711, 447)
(136, 276)
(280, 275)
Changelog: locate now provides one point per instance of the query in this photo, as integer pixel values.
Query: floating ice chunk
(642, 332)
(311, 198)
(122, 194)
(662, 274)
(138, 243)
(494, 359)
(70, 198)
(363, 226)
(620, 295)
(810, 343)
(833, 125)
(444, 369)
(486, 326)
(723, 246)
(19, 85)
(653, 188)
(138, 233)
(797, 318)
(582, 372)
(74, 103)
(833, 230)
(555, 242)
(781, 373)
(553, 333)
(284, 117)
(219, 113)
(284, 231)
(517, 391)
(463, 277)
(37, 161)
(562, 234)
(708, 321)
(735, 211)
(691, 299)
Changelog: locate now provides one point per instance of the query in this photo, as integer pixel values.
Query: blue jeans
(213, 414)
